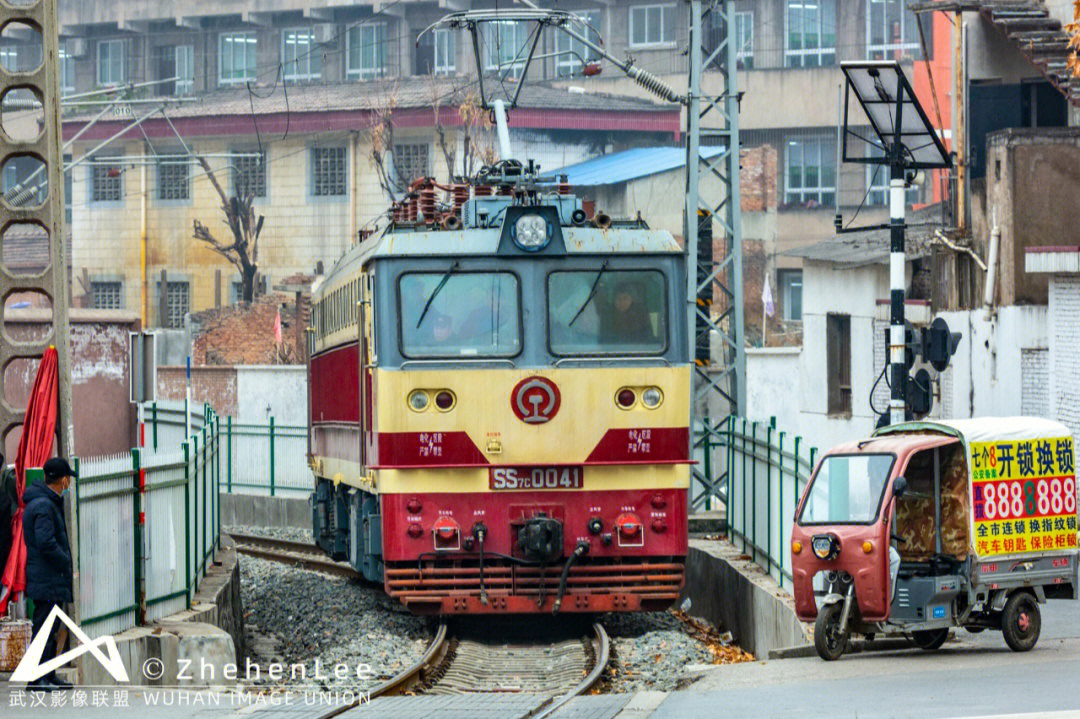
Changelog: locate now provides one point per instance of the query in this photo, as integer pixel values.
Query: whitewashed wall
(263, 391)
(773, 385)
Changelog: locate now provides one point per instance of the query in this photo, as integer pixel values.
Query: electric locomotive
(499, 403)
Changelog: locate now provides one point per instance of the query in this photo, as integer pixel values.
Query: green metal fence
(257, 458)
(764, 473)
(158, 507)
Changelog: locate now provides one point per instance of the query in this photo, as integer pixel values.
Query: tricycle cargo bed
(1055, 573)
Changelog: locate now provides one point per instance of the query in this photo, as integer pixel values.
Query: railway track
(557, 670)
(297, 554)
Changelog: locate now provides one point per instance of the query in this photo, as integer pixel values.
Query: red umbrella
(35, 446)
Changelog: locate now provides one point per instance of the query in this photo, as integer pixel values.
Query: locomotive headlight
(531, 232)
(418, 400)
(652, 397)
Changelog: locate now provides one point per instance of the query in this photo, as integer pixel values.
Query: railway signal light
(939, 344)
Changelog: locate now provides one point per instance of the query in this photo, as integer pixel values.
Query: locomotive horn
(602, 220)
(451, 221)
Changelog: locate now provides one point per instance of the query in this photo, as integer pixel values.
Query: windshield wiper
(435, 292)
(592, 293)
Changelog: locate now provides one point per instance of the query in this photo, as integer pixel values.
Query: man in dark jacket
(49, 570)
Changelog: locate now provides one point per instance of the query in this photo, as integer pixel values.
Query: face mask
(66, 492)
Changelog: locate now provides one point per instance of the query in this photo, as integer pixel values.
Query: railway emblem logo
(535, 400)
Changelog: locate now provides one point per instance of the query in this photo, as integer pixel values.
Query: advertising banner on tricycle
(1024, 495)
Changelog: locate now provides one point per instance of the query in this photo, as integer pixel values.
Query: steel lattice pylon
(719, 380)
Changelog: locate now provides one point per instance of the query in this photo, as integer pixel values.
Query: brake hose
(582, 548)
(480, 533)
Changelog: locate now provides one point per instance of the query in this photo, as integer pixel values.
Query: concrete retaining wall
(253, 510)
(740, 597)
(190, 648)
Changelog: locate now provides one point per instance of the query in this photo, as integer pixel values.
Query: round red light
(444, 400)
(415, 530)
(626, 398)
(659, 526)
(414, 506)
(658, 501)
(628, 524)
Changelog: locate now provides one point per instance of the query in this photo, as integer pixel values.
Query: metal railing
(259, 458)
(148, 526)
(765, 471)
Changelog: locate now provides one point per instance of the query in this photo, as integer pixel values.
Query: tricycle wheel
(974, 629)
(1021, 622)
(930, 639)
(828, 641)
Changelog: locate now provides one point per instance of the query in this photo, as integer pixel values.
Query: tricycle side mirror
(899, 486)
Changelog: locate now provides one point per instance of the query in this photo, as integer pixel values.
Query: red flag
(277, 327)
(35, 446)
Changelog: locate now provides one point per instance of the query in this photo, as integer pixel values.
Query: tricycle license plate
(535, 477)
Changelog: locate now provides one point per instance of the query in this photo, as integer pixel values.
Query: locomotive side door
(366, 353)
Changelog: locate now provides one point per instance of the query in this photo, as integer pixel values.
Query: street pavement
(974, 676)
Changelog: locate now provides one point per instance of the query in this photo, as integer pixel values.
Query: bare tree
(243, 252)
(382, 145)
(1073, 28)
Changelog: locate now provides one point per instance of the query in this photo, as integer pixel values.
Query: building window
(68, 188)
(67, 71)
(505, 48)
(110, 62)
(445, 51)
(236, 57)
(570, 53)
(366, 50)
(302, 59)
(411, 161)
(177, 61)
(236, 291)
(810, 176)
(177, 303)
(249, 174)
(811, 33)
(891, 31)
(107, 295)
(106, 180)
(329, 171)
(174, 180)
(744, 37)
(652, 25)
(838, 350)
(790, 282)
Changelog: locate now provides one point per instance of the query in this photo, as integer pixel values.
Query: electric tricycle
(927, 526)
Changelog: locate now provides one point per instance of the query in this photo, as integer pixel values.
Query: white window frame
(663, 41)
(877, 191)
(67, 70)
(784, 285)
(566, 63)
(492, 48)
(112, 46)
(825, 56)
(184, 67)
(300, 67)
(445, 49)
(905, 47)
(249, 73)
(744, 25)
(826, 156)
(377, 29)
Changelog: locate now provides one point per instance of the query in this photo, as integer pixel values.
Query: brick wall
(215, 386)
(758, 178)
(1065, 351)
(244, 334)
(1035, 382)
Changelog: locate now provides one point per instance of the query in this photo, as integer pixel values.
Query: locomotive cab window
(459, 314)
(607, 312)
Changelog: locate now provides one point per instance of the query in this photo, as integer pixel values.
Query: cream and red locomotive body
(499, 411)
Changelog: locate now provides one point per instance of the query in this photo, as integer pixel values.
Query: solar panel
(895, 115)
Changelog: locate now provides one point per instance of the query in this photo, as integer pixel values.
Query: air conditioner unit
(325, 32)
(76, 46)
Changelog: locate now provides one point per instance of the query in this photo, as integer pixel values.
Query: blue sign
(939, 612)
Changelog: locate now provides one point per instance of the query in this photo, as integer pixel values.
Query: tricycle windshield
(847, 489)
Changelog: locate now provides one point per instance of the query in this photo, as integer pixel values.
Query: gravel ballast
(651, 651)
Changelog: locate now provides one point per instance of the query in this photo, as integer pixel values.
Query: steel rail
(299, 554)
(602, 653)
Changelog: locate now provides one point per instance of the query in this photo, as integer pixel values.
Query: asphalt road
(975, 675)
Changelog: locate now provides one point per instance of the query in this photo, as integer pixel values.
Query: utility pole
(714, 120)
(49, 215)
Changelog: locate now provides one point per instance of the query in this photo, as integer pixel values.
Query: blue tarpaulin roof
(629, 165)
